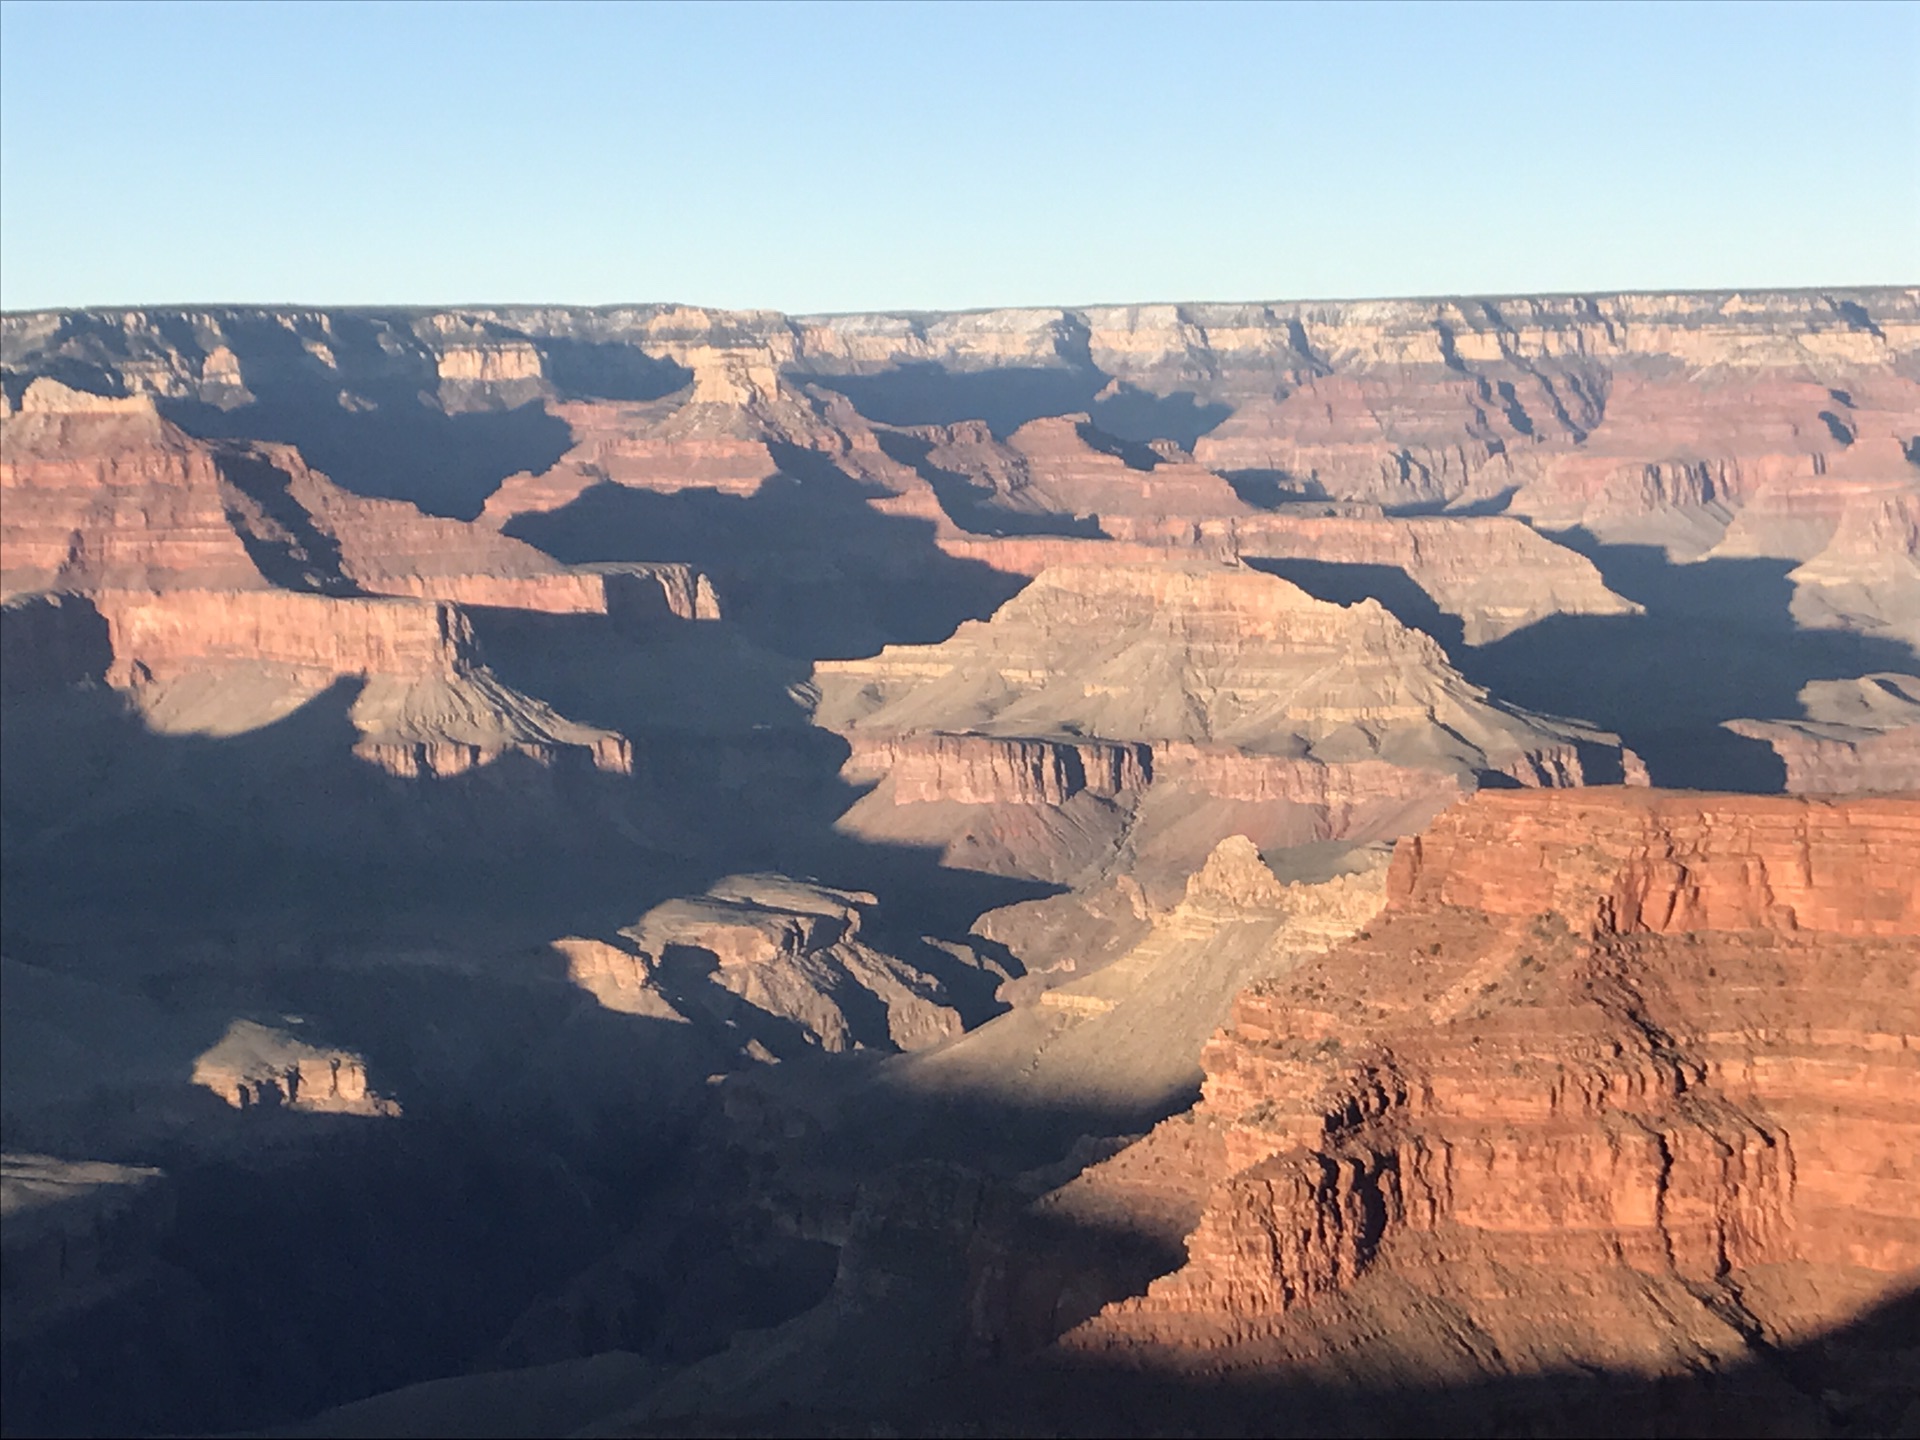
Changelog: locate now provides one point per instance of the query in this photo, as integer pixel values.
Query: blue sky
(847, 157)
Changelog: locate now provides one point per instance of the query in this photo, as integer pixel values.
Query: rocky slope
(1125, 1035)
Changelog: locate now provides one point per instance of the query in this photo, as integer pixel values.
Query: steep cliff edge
(1618, 1079)
(1672, 413)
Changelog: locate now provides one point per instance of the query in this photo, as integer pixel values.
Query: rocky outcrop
(1867, 577)
(1858, 735)
(105, 494)
(1492, 573)
(1218, 656)
(995, 770)
(1146, 706)
(263, 1067)
(1067, 466)
(102, 491)
(161, 636)
(777, 962)
(222, 663)
(1126, 1034)
(1594, 1034)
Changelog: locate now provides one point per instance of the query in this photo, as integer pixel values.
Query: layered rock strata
(1655, 1050)
(1126, 1034)
(1491, 573)
(424, 704)
(103, 491)
(1216, 681)
(1597, 410)
(106, 494)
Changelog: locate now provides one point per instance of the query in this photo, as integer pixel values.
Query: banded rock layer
(1617, 1079)
(1135, 686)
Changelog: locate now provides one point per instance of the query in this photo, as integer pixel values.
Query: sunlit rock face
(779, 962)
(267, 1066)
(1616, 1078)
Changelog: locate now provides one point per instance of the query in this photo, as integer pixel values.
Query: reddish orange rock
(1618, 1078)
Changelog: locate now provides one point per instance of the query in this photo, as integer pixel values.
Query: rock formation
(1128, 684)
(778, 960)
(1670, 416)
(262, 1066)
(1492, 573)
(1126, 1034)
(1857, 735)
(1618, 1079)
(221, 663)
(104, 491)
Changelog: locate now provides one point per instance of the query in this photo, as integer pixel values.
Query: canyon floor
(1317, 868)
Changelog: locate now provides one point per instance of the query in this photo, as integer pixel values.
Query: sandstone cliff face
(1594, 1034)
(222, 663)
(988, 770)
(103, 491)
(168, 634)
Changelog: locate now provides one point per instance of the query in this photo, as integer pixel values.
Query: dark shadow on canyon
(379, 422)
(1717, 642)
(564, 1179)
(267, 874)
(1007, 397)
(1860, 1379)
(972, 507)
(805, 566)
(1273, 489)
(609, 370)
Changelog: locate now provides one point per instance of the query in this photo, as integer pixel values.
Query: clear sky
(870, 156)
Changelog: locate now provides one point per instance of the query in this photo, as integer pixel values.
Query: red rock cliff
(1595, 1035)
(167, 634)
